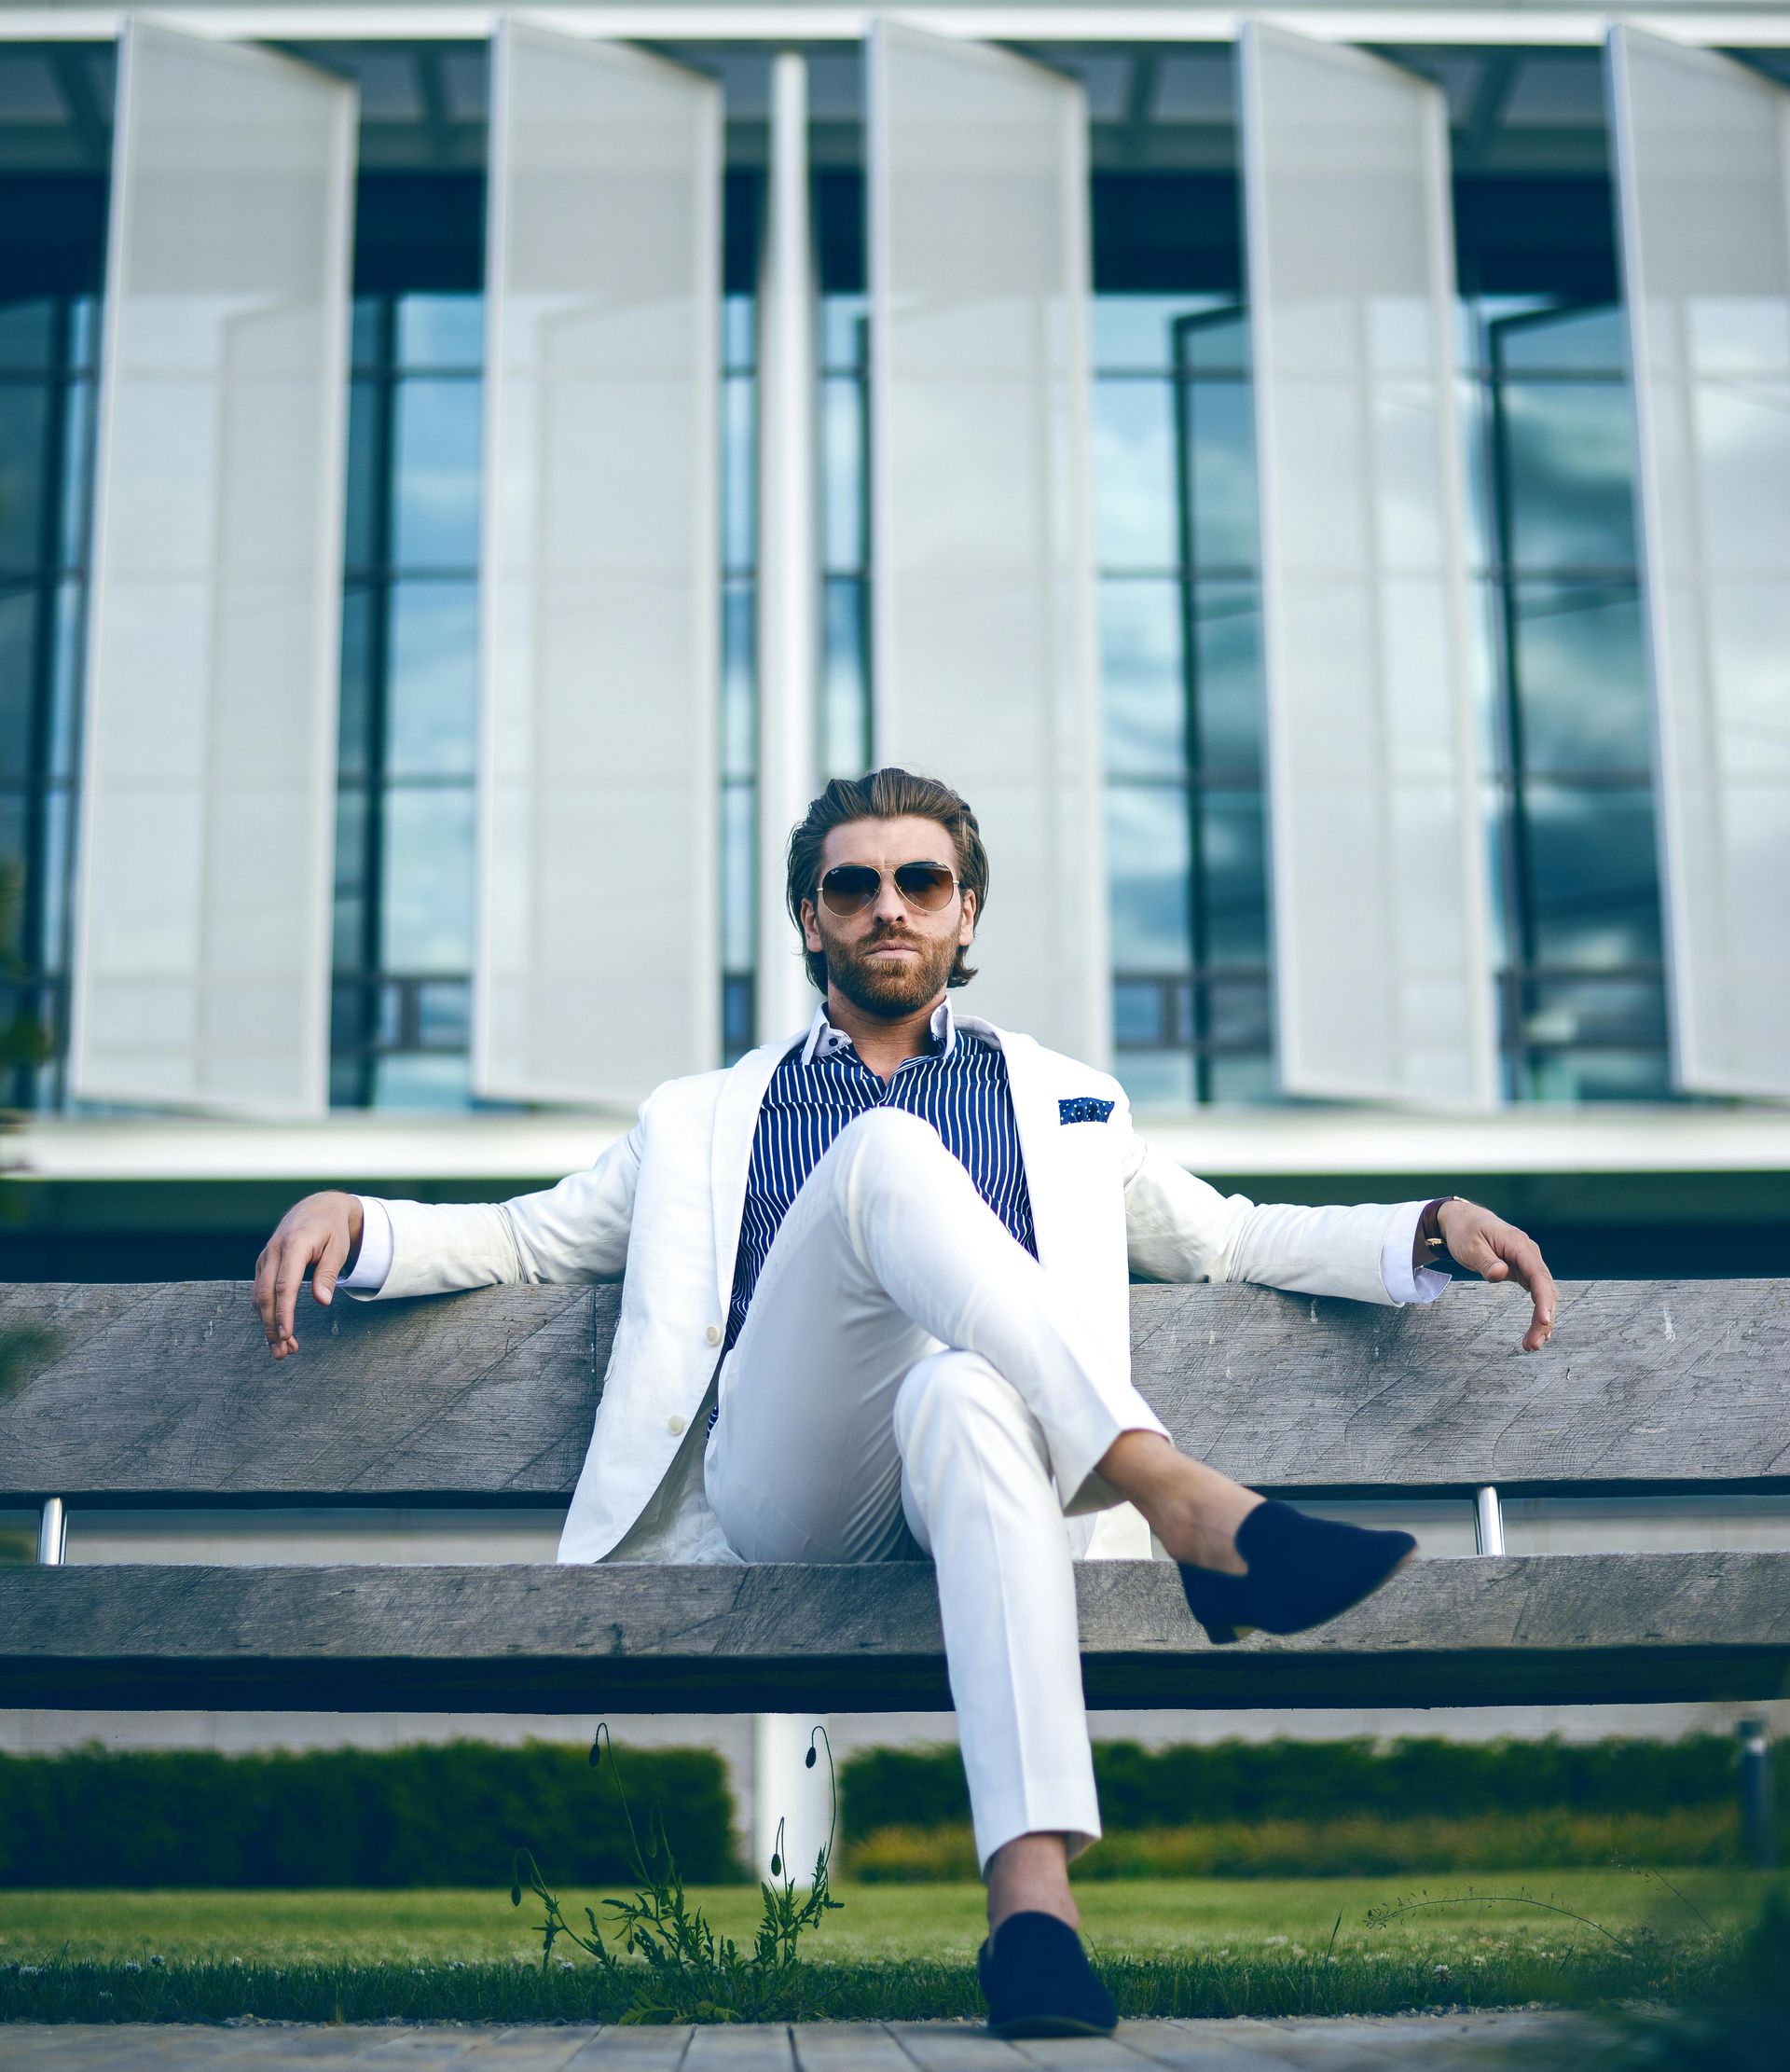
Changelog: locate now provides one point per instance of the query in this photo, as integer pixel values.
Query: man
(875, 1306)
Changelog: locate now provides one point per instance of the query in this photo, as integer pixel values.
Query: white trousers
(905, 1368)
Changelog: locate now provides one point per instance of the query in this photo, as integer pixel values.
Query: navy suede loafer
(1037, 1980)
(1302, 1571)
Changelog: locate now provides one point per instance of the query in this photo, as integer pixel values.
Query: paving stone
(846, 2046)
(740, 2046)
(631, 2049)
(1543, 2041)
(957, 2047)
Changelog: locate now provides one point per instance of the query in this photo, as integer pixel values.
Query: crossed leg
(909, 1377)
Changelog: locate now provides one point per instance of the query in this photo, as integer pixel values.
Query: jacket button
(713, 1334)
(674, 1426)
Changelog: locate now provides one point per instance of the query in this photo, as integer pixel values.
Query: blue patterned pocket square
(1085, 1108)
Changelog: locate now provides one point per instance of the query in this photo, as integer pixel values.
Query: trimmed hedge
(415, 1817)
(1359, 1846)
(1232, 1781)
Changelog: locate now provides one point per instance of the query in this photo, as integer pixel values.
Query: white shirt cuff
(1403, 1282)
(373, 1261)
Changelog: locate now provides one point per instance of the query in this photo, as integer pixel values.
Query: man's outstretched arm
(574, 1232)
(1180, 1229)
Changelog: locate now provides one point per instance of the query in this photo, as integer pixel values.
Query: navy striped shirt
(959, 1087)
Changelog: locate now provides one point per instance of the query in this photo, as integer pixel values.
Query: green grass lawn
(1174, 1946)
(1136, 1918)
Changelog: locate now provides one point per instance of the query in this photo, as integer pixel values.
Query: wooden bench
(165, 1394)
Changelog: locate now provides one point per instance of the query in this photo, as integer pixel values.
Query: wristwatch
(1431, 1249)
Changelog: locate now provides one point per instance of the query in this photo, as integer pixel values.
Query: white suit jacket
(661, 1210)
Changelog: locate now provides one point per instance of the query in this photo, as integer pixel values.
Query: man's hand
(1486, 1245)
(322, 1231)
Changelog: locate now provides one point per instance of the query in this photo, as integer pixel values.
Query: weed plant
(686, 1972)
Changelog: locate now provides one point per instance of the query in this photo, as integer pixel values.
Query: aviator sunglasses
(852, 888)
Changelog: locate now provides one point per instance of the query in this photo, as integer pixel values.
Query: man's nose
(891, 905)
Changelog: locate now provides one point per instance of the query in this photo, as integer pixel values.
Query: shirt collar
(825, 1041)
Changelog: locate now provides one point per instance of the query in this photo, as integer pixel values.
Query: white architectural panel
(983, 655)
(207, 816)
(789, 553)
(1703, 164)
(1382, 982)
(597, 960)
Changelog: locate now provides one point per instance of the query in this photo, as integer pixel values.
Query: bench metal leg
(1488, 1518)
(1757, 1808)
(786, 1790)
(52, 1533)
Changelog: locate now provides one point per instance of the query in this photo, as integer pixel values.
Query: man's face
(891, 959)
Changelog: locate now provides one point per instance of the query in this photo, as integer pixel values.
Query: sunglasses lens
(849, 888)
(927, 885)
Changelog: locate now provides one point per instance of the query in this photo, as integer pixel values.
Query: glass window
(17, 682)
(845, 679)
(738, 334)
(1568, 1075)
(844, 465)
(24, 412)
(1581, 679)
(1217, 342)
(422, 1079)
(57, 822)
(844, 332)
(440, 332)
(738, 680)
(366, 401)
(349, 951)
(1158, 1078)
(1134, 493)
(432, 681)
(1569, 473)
(27, 336)
(1247, 1078)
(366, 332)
(1135, 333)
(738, 473)
(1227, 679)
(1150, 861)
(435, 502)
(1593, 886)
(1142, 676)
(1222, 471)
(426, 903)
(1235, 1014)
(1566, 341)
(1616, 1012)
(1138, 1017)
(445, 1014)
(1233, 894)
(354, 749)
(737, 950)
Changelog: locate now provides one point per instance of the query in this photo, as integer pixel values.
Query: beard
(885, 986)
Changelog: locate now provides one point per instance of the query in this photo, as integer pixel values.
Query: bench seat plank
(1543, 1629)
(167, 1390)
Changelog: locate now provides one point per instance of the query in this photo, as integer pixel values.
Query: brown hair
(887, 794)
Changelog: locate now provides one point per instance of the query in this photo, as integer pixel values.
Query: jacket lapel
(736, 1107)
(1033, 1087)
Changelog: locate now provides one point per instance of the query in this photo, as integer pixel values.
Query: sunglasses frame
(926, 862)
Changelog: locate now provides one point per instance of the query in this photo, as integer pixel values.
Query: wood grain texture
(1554, 1629)
(163, 1391)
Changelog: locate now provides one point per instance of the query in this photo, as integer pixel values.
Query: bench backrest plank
(167, 1390)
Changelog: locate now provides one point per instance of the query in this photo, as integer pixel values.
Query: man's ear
(967, 933)
(810, 932)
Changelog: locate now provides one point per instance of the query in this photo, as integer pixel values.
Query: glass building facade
(1559, 624)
